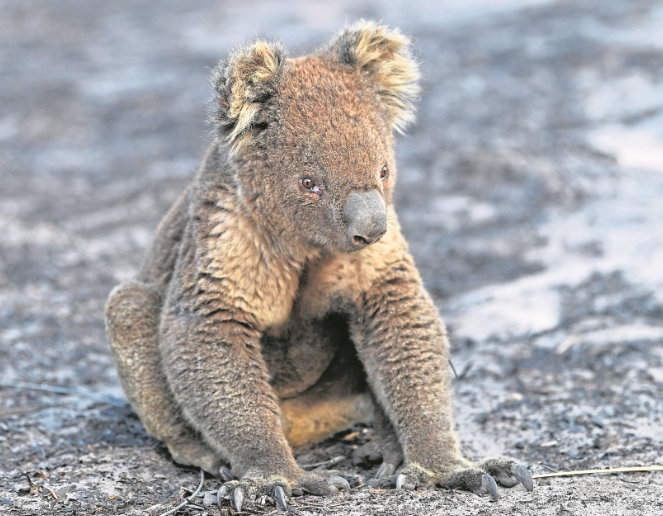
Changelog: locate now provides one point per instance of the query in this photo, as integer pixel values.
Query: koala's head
(312, 137)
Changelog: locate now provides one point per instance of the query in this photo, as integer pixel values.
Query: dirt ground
(530, 190)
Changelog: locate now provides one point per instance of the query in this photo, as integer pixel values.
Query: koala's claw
(386, 469)
(524, 476)
(507, 473)
(279, 497)
(225, 474)
(221, 494)
(404, 482)
(238, 498)
(488, 486)
(339, 482)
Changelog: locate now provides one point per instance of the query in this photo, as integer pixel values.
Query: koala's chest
(299, 356)
(300, 351)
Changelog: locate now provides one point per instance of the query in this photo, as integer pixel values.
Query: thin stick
(453, 368)
(60, 390)
(21, 410)
(200, 486)
(633, 469)
(326, 464)
(336, 504)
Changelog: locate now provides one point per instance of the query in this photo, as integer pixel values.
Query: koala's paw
(276, 489)
(507, 473)
(389, 458)
(273, 488)
(479, 479)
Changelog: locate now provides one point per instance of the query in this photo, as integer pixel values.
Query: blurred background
(530, 190)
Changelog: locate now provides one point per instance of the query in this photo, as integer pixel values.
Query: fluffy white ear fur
(385, 57)
(243, 83)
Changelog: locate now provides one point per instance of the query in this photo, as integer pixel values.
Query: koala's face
(313, 136)
(327, 157)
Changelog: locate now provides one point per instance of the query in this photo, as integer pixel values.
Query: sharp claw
(384, 470)
(400, 480)
(226, 475)
(238, 498)
(524, 476)
(488, 483)
(279, 496)
(403, 482)
(221, 494)
(339, 482)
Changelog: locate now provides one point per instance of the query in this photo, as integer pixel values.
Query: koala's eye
(384, 172)
(308, 184)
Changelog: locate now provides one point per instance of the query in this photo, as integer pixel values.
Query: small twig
(30, 483)
(60, 390)
(336, 504)
(350, 436)
(34, 488)
(53, 493)
(550, 469)
(202, 495)
(453, 368)
(325, 464)
(633, 469)
(185, 502)
(465, 370)
(21, 410)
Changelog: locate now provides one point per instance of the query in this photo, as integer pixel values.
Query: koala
(278, 302)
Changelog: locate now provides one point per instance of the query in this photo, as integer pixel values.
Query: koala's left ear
(243, 84)
(384, 56)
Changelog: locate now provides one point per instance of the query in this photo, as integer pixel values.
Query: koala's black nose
(367, 218)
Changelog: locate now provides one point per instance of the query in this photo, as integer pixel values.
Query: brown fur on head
(324, 120)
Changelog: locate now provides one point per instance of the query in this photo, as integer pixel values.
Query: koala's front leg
(215, 368)
(402, 343)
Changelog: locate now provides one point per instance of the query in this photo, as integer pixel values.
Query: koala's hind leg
(132, 321)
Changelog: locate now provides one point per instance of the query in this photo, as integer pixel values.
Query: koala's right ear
(384, 57)
(243, 83)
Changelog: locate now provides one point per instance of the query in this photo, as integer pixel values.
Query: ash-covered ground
(531, 191)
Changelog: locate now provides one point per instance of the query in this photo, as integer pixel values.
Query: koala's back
(160, 259)
(174, 230)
